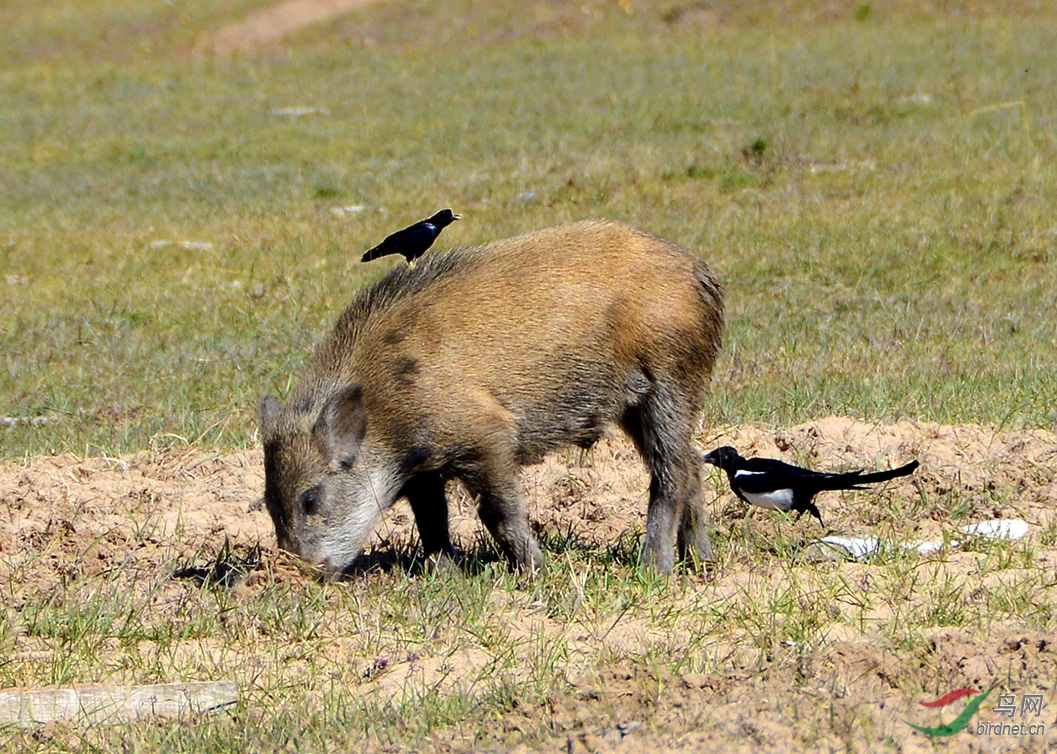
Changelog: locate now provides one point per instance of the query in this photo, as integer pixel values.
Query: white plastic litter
(352, 209)
(296, 111)
(192, 245)
(858, 548)
(1001, 528)
(929, 547)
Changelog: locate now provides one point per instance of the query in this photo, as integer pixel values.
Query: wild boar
(481, 360)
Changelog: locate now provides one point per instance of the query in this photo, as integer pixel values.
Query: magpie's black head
(443, 219)
(726, 458)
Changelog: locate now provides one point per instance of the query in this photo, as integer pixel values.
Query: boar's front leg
(425, 493)
(501, 507)
(488, 466)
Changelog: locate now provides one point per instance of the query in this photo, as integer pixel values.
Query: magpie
(413, 240)
(770, 483)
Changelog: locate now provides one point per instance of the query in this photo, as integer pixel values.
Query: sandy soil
(195, 493)
(272, 24)
(155, 498)
(64, 516)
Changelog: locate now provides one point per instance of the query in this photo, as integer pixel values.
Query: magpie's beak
(711, 457)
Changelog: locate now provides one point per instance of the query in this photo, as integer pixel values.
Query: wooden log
(113, 704)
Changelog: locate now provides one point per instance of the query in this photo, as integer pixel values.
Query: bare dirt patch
(272, 24)
(73, 526)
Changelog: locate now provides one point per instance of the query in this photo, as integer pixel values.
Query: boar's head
(320, 486)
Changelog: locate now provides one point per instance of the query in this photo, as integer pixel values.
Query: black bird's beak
(711, 457)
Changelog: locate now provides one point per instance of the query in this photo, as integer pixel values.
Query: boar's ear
(269, 411)
(342, 425)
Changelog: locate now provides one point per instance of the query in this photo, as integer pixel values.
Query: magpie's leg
(813, 510)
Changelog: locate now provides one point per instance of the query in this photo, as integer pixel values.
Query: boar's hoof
(536, 559)
(441, 562)
(528, 560)
(660, 563)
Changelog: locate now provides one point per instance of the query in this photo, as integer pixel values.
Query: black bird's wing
(774, 484)
(758, 474)
(411, 242)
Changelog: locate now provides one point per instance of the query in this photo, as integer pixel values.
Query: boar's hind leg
(425, 493)
(693, 540)
(661, 428)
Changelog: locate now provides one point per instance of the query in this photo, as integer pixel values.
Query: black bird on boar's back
(412, 241)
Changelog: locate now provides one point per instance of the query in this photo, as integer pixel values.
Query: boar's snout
(311, 558)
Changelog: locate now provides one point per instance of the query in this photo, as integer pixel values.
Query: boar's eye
(310, 499)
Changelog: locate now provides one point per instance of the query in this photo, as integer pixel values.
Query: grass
(399, 660)
(877, 208)
(874, 185)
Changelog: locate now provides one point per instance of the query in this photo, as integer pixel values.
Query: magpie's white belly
(781, 500)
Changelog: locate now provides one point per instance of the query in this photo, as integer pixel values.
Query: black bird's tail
(855, 480)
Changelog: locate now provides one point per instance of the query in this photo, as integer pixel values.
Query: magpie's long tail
(855, 479)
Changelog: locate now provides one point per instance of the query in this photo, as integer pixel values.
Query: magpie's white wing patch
(742, 473)
(781, 500)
